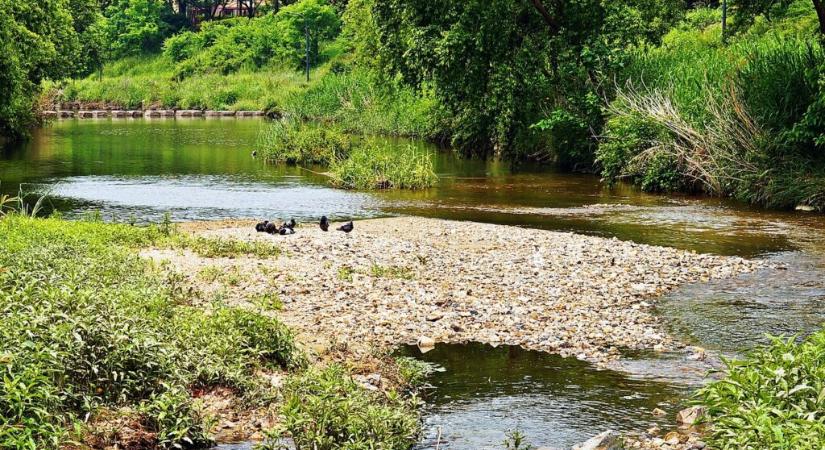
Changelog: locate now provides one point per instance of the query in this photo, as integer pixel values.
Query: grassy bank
(92, 334)
(773, 399)
(740, 119)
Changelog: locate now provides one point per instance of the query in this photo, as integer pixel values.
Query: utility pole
(724, 21)
(306, 32)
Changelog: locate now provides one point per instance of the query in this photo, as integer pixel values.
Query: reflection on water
(554, 401)
(203, 169)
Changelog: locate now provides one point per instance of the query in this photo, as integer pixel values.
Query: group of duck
(287, 228)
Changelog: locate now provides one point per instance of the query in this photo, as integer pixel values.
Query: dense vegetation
(645, 91)
(772, 400)
(94, 339)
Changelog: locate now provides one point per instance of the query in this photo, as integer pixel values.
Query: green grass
(740, 120)
(325, 409)
(774, 399)
(376, 166)
(293, 142)
(223, 248)
(86, 325)
(398, 272)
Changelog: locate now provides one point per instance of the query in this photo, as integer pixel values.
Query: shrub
(289, 141)
(176, 419)
(229, 45)
(773, 399)
(375, 166)
(325, 409)
(86, 324)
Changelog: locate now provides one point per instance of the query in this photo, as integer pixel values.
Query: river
(204, 170)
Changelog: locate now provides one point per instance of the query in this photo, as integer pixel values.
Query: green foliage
(39, 40)
(136, 26)
(137, 81)
(360, 102)
(175, 418)
(85, 323)
(325, 409)
(374, 166)
(741, 120)
(413, 372)
(773, 399)
(628, 136)
(274, 39)
(292, 142)
(498, 66)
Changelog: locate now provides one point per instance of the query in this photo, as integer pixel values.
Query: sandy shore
(395, 280)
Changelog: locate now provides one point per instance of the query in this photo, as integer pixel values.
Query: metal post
(306, 30)
(724, 21)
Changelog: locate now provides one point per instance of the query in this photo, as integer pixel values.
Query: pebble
(467, 281)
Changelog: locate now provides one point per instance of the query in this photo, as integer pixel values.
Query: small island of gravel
(394, 281)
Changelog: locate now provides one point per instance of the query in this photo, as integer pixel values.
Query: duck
(285, 230)
(271, 228)
(260, 227)
(324, 223)
(347, 227)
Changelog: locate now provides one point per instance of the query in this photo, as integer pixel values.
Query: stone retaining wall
(149, 113)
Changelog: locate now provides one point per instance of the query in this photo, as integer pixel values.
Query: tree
(748, 10)
(136, 26)
(498, 66)
(38, 41)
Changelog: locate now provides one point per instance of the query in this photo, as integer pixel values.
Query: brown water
(203, 169)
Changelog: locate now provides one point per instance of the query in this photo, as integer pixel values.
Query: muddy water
(203, 169)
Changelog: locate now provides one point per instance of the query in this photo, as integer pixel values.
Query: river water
(203, 170)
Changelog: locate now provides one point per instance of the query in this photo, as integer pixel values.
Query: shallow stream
(203, 170)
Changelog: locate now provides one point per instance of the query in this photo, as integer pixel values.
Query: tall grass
(360, 102)
(246, 90)
(728, 120)
(293, 142)
(375, 166)
(86, 325)
(773, 399)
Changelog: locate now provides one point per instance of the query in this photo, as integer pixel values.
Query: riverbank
(100, 348)
(407, 280)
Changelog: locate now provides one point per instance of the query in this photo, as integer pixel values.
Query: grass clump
(398, 272)
(774, 399)
(373, 166)
(292, 142)
(86, 326)
(224, 248)
(326, 409)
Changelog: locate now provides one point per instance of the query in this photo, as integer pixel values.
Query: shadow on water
(555, 401)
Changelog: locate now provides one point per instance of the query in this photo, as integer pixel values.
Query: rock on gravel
(395, 280)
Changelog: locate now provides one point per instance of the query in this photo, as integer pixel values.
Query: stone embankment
(148, 113)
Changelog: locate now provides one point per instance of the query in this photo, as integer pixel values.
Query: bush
(374, 166)
(289, 141)
(229, 45)
(86, 324)
(325, 409)
(771, 400)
